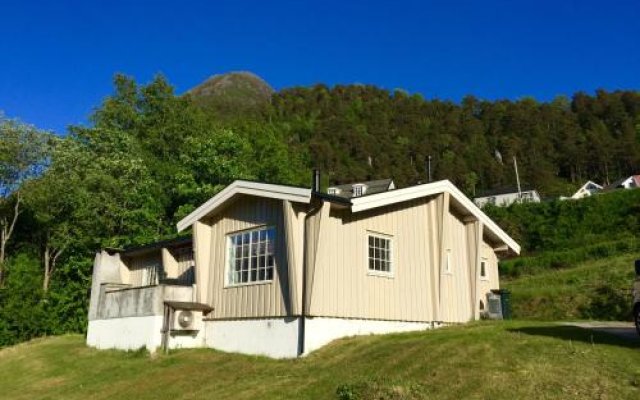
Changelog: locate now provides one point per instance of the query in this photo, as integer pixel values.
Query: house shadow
(599, 335)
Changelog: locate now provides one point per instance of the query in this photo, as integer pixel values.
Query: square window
(251, 256)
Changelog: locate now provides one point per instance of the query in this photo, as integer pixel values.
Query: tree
(23, 155)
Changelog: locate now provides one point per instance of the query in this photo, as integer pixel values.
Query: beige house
(282, 270)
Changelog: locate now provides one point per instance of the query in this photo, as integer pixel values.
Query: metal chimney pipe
(315, 183)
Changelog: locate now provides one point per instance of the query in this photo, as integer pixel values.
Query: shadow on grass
(577, 334)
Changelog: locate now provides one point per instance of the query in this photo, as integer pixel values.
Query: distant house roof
(372, 187)
(503, 190)
(635, 182)
(587, 187)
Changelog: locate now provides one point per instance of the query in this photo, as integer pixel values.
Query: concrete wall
(130, 333)
(138, 302)
(320, 331)
(272, 337)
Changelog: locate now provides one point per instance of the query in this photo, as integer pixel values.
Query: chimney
(315, 182)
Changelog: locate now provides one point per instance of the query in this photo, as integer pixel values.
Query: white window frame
(358, 189)
(447, 263)
(484, 261)
(384, 236)
(231, 257)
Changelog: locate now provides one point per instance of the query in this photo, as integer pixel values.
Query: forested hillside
(149, 156)
(353, 132)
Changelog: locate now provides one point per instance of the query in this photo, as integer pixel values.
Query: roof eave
(282, 192)
(430, 189)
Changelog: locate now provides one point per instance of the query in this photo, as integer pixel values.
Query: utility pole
(515, 166)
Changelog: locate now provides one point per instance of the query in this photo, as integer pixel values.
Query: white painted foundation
(272, 337)
(320, 331)
(131, 333)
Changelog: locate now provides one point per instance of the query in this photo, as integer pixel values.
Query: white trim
(447, 263)
(282, 192)
(484, 277)
(227, 271)
(414, 192)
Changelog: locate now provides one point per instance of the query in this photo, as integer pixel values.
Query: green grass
(481, 360)
(599, 289)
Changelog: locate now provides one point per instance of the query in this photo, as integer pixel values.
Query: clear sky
(57, 58)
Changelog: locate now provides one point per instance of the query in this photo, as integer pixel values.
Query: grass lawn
(481, 360)
(599, 289)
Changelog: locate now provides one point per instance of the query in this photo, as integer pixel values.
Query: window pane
(251, 256)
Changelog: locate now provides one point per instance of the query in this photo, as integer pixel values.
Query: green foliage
(592, 289)
(560, 225)
(359, 131)
(490, 360)
(380, 390)
(23, 312)
(149, 157)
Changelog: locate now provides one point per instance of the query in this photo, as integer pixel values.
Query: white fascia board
(430, 189)
(282, 192)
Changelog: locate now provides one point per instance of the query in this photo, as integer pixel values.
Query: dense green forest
(149, 156)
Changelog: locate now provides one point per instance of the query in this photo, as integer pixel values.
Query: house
(361, 188)
(504, 197)
(282, 270)
(588, 189)
(629, 182)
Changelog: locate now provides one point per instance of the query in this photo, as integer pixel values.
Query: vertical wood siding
(340, 283)
(455, 303)
(251, 300)
(142, 266)
(492, 280)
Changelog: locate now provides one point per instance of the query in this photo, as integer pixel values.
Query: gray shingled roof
(373, 187)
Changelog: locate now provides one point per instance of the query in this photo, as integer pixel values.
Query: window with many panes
(251, 256)
(380, 251)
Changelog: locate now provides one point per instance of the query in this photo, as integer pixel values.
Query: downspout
(315, 188)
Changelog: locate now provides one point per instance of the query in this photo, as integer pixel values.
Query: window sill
(239, 285)
(388, 275)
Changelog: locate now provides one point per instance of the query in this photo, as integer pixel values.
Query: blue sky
(57, 58)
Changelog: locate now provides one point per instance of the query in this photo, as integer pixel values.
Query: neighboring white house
(629, 182)
(281, 271)
(588, 189)
(506, 196)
